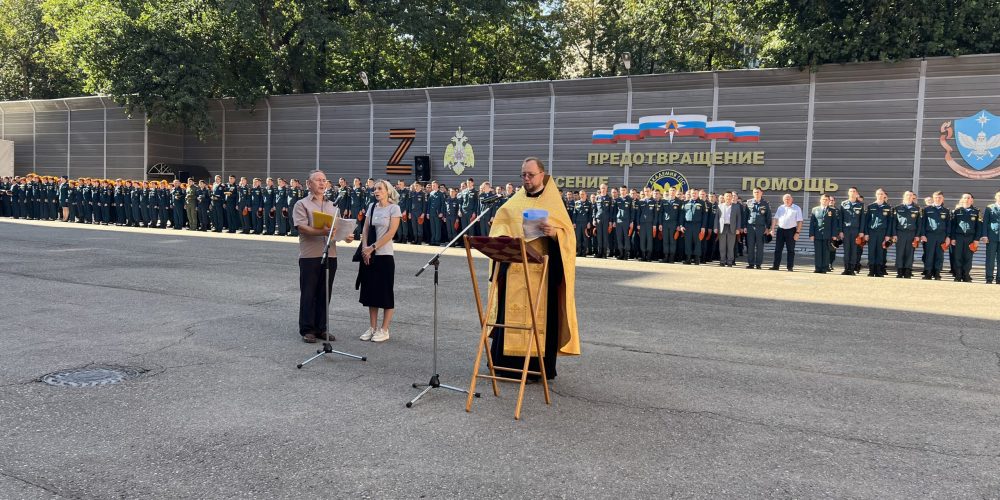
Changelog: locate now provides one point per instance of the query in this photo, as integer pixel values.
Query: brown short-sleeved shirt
(311, 247)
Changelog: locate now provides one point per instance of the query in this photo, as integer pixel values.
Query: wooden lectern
(504, 249)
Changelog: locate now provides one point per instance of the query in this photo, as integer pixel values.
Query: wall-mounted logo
(666, 179)
(978, 142)
(679, 125)
(395, 165)
(458, 156)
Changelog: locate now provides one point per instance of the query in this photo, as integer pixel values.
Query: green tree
(813, 32)
(29, 67)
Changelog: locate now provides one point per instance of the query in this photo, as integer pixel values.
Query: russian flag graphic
(746, 134)
(603, 137)
(679, 125)
(653, 126)
(723, 129)
(627, 132)
(689, 125)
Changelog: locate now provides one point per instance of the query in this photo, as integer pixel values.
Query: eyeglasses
(529, 175)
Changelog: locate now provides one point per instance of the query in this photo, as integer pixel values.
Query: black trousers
(312, 312)
(784, 238)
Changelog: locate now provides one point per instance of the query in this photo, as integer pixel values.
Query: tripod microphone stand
(435, 382)
(327, 346)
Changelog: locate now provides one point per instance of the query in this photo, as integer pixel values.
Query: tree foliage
(169, 58)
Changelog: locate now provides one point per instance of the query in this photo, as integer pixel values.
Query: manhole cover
(91, 376)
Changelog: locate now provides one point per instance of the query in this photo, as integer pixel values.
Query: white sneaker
(380, 335)
(368, 334)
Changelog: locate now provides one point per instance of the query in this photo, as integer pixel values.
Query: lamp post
(371, 123)
(627, 62)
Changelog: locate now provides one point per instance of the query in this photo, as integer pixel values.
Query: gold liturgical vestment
(509, 221)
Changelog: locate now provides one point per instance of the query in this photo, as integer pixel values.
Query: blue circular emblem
(666, 179)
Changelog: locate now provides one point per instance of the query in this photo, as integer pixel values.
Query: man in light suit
(728, 223)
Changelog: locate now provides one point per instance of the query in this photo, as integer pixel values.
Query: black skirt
(376, 282)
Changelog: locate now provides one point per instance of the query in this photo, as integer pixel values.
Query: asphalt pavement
(695, 381)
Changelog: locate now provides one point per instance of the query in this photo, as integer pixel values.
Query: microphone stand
(327, 346)
(435, 382)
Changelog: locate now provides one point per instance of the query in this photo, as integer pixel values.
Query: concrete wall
(867, 125)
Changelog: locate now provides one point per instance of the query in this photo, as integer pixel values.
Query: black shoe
(937, 275)
(926, 276)
(774, 268)
(756, 267)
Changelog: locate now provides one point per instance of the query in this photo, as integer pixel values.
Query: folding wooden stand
(505, 249)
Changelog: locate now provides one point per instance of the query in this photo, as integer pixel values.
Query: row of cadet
(687, 227)
(627, 224)
(431, 211)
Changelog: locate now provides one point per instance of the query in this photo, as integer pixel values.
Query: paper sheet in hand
(321, 219)
(344, 228)
(533, 220)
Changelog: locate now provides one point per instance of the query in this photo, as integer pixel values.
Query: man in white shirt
(786, 226)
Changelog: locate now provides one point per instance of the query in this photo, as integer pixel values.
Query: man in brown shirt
(313, 317)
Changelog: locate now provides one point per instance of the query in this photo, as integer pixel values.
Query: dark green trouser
(904, 249)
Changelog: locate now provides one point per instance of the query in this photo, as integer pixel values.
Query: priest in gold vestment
(508, 291)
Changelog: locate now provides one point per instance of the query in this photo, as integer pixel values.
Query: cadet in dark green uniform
(966, 226)
(710, 245)
(990, 235)
(232, 213)
(693, 220)
(405, 196)
(281, 212)
(934, 235)
(218, 195)
(177, 198)
(469, 205)
(191, 204)
(757, 221)
(270, 212)
(670, 216)
(451, 213)
(822, 228)
(581, 217)
(852, 221)
(204, 204)
(878, 232)
(602, 221)
(358, 206)
(624, 223)
(646, 222)
(418, 212)
(256, 206)
(295, 194)
(435, 213)
(906, 228)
